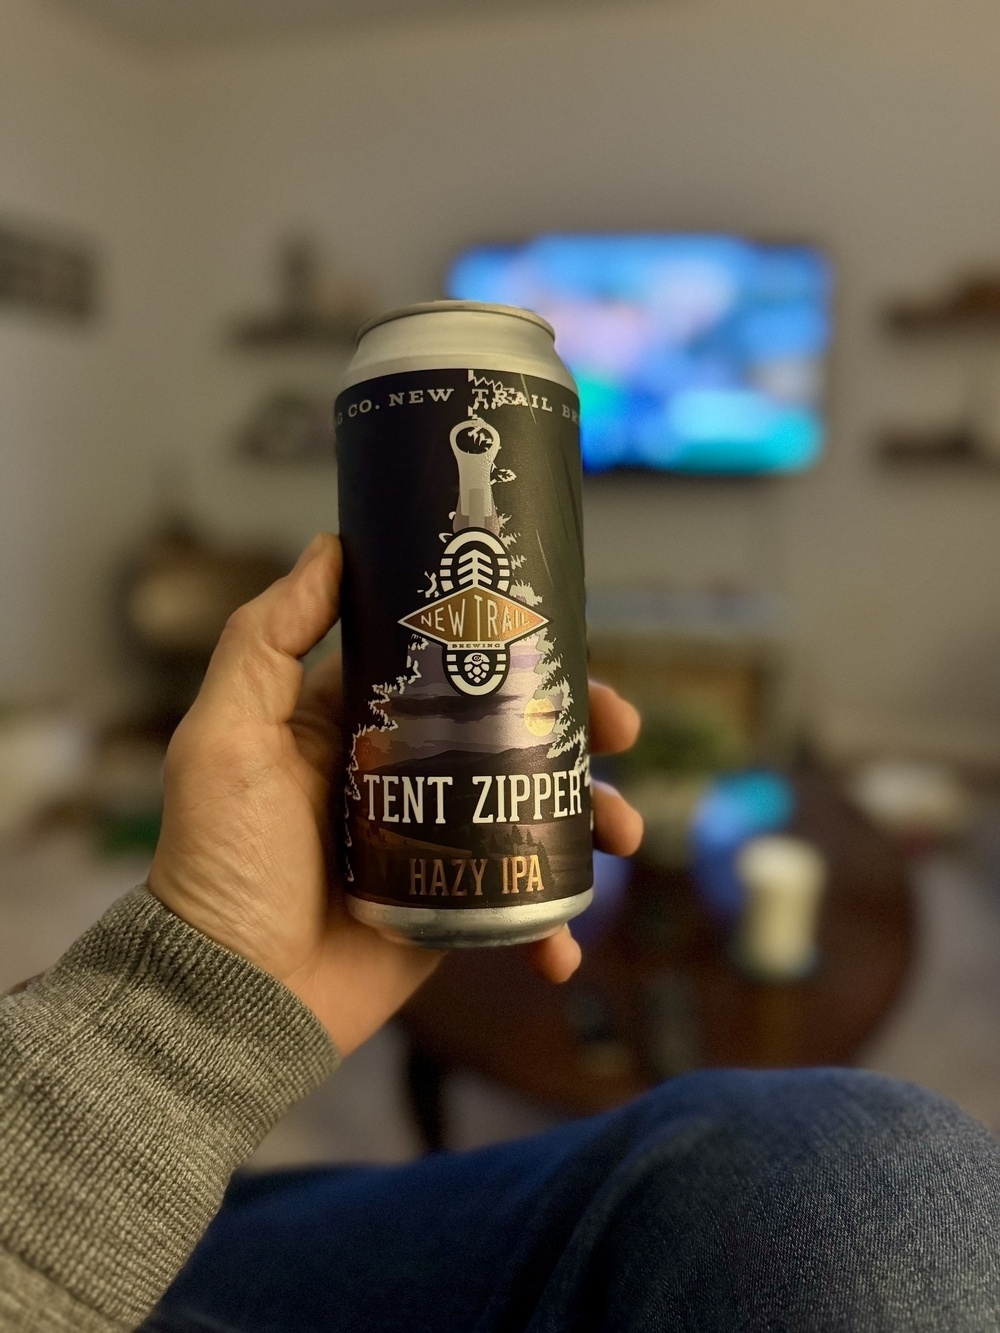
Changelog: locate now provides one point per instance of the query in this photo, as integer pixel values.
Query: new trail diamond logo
(474, 618)
(476, 622)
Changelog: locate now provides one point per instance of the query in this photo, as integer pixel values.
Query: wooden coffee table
(657, 994)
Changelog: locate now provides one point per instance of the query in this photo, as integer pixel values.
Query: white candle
(784, 880)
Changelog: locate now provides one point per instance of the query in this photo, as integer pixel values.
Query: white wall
(74, 419)
(870, 126)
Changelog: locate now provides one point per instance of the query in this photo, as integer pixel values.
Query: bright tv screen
(698, 354)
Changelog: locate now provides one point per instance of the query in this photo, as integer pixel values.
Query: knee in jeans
(838, 1110)
(824, 1192)
(842, 1157)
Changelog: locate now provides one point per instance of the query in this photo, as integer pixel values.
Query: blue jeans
(801, 1200)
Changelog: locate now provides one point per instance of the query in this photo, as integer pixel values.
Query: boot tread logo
(476, 620)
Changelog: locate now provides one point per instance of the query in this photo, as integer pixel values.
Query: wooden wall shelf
(934, 450)
(305, 316)
(970, 307)
(912, 320)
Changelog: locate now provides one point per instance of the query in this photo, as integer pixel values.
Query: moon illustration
(540, 716)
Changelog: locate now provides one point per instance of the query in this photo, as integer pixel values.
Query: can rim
(437, 307)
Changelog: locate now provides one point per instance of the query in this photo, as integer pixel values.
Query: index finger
(255, 674)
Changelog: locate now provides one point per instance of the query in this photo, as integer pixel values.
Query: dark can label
(464, 640)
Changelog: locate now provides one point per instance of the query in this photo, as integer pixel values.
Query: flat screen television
(701, 354)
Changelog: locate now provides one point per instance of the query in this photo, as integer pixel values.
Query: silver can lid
(449, 307)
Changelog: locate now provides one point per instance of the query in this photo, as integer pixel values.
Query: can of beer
(467, 798)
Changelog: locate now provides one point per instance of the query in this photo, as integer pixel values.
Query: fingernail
(310, 552)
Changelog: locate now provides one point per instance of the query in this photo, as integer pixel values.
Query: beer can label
(468, 781)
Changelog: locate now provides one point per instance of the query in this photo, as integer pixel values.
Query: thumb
(255, 674)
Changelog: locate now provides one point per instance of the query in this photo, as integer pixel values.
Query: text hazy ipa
(467, 818)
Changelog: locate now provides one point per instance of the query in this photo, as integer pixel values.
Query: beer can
(466, 814)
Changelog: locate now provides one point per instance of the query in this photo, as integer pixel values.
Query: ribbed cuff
(135, 1076)
(31, 1303)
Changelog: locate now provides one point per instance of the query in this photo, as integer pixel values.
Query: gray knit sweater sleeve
(134, 1077)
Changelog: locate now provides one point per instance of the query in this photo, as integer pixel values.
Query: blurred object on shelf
(290, 426)
(45, 272)
(45, 753)
(178, 591)
(317, 307)
(705, 666)
(665, 773)
(719, 612)
(667, 806)
(920, 804)
(784, 879)
(684, 741)
(126, 787)
(735, 809)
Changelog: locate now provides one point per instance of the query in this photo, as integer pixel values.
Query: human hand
(244, 852)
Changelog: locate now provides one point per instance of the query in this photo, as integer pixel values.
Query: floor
(943, 1033)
